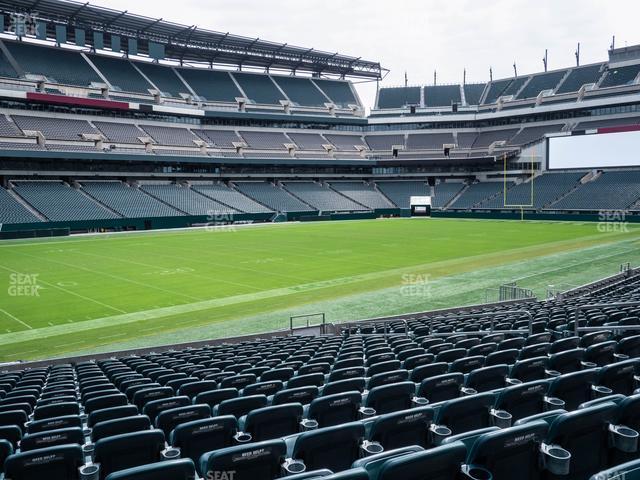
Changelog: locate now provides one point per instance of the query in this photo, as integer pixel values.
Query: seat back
(181, 469)
(240, 406)
(335, 409)
(523, 400)
(391, 398)
(167, 420)
(302, 395)
(619, 377)
(273, 422)
(510, 450)
(402, 429)
(128, 450)
(249, 462)
(200, 436)
(335, 448)
(584, 434)
(52, 438)
(214, 397)
(440, 463)
(487, 378)
(441, 387)
(53, 463)
(118, 426)
(573, 388)
(468, 413)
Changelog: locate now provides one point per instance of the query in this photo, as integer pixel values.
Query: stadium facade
(115, 121)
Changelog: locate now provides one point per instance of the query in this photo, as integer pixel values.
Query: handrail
(579, 308)
(307, 315)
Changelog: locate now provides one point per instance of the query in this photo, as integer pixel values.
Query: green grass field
(104, 292)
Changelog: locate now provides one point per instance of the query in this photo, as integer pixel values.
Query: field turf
(95, 293)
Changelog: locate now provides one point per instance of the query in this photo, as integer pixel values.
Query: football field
(102, 292)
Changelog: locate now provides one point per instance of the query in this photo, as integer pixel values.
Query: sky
(421, 36)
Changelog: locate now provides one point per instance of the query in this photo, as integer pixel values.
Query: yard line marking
(110, 307)
(16, 319)
(117, 277)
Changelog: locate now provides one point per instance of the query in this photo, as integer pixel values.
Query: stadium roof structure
(194, 44)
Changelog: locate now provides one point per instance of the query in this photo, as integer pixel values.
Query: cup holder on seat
(291, 466)
(472, 472)
(466, 391)
(90, 472)
(624, 438)
(439, 433)
(242, 437)
(553, 403)
(598, 391)
(309, 424)
(367, 412)
(371, 448)
(555, 459)
(501, 418)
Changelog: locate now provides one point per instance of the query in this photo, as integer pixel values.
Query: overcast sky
(420, 36)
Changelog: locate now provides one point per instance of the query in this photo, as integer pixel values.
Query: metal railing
(580, 308)
(308, 316)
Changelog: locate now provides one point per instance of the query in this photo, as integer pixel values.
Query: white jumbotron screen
(595, 151)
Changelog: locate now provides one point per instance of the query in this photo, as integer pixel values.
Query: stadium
(219, 261)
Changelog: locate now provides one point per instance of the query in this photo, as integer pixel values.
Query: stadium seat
(51, 438)
(200, 436)
(168, 419)
(330, 410)
(504, 452)
(427, 371)
(487, 378)
(403, 429)
(335, 448)
(240, 406)
(567, 361)
(6, 449)
(620, 377)
(254, 461)
(469, 413)
(181, 469)
(111, 414)
(576, 388)
(54, 463)
(442, 462)
(441, 387)
(526, 399)
(272, 422)
(390, 398)
(118, 426)
(128, 450)
(214, 397)
(267, 388)
(583, 433)
(302, 395)
(56, 410)
(153, 408)
(342, 386)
